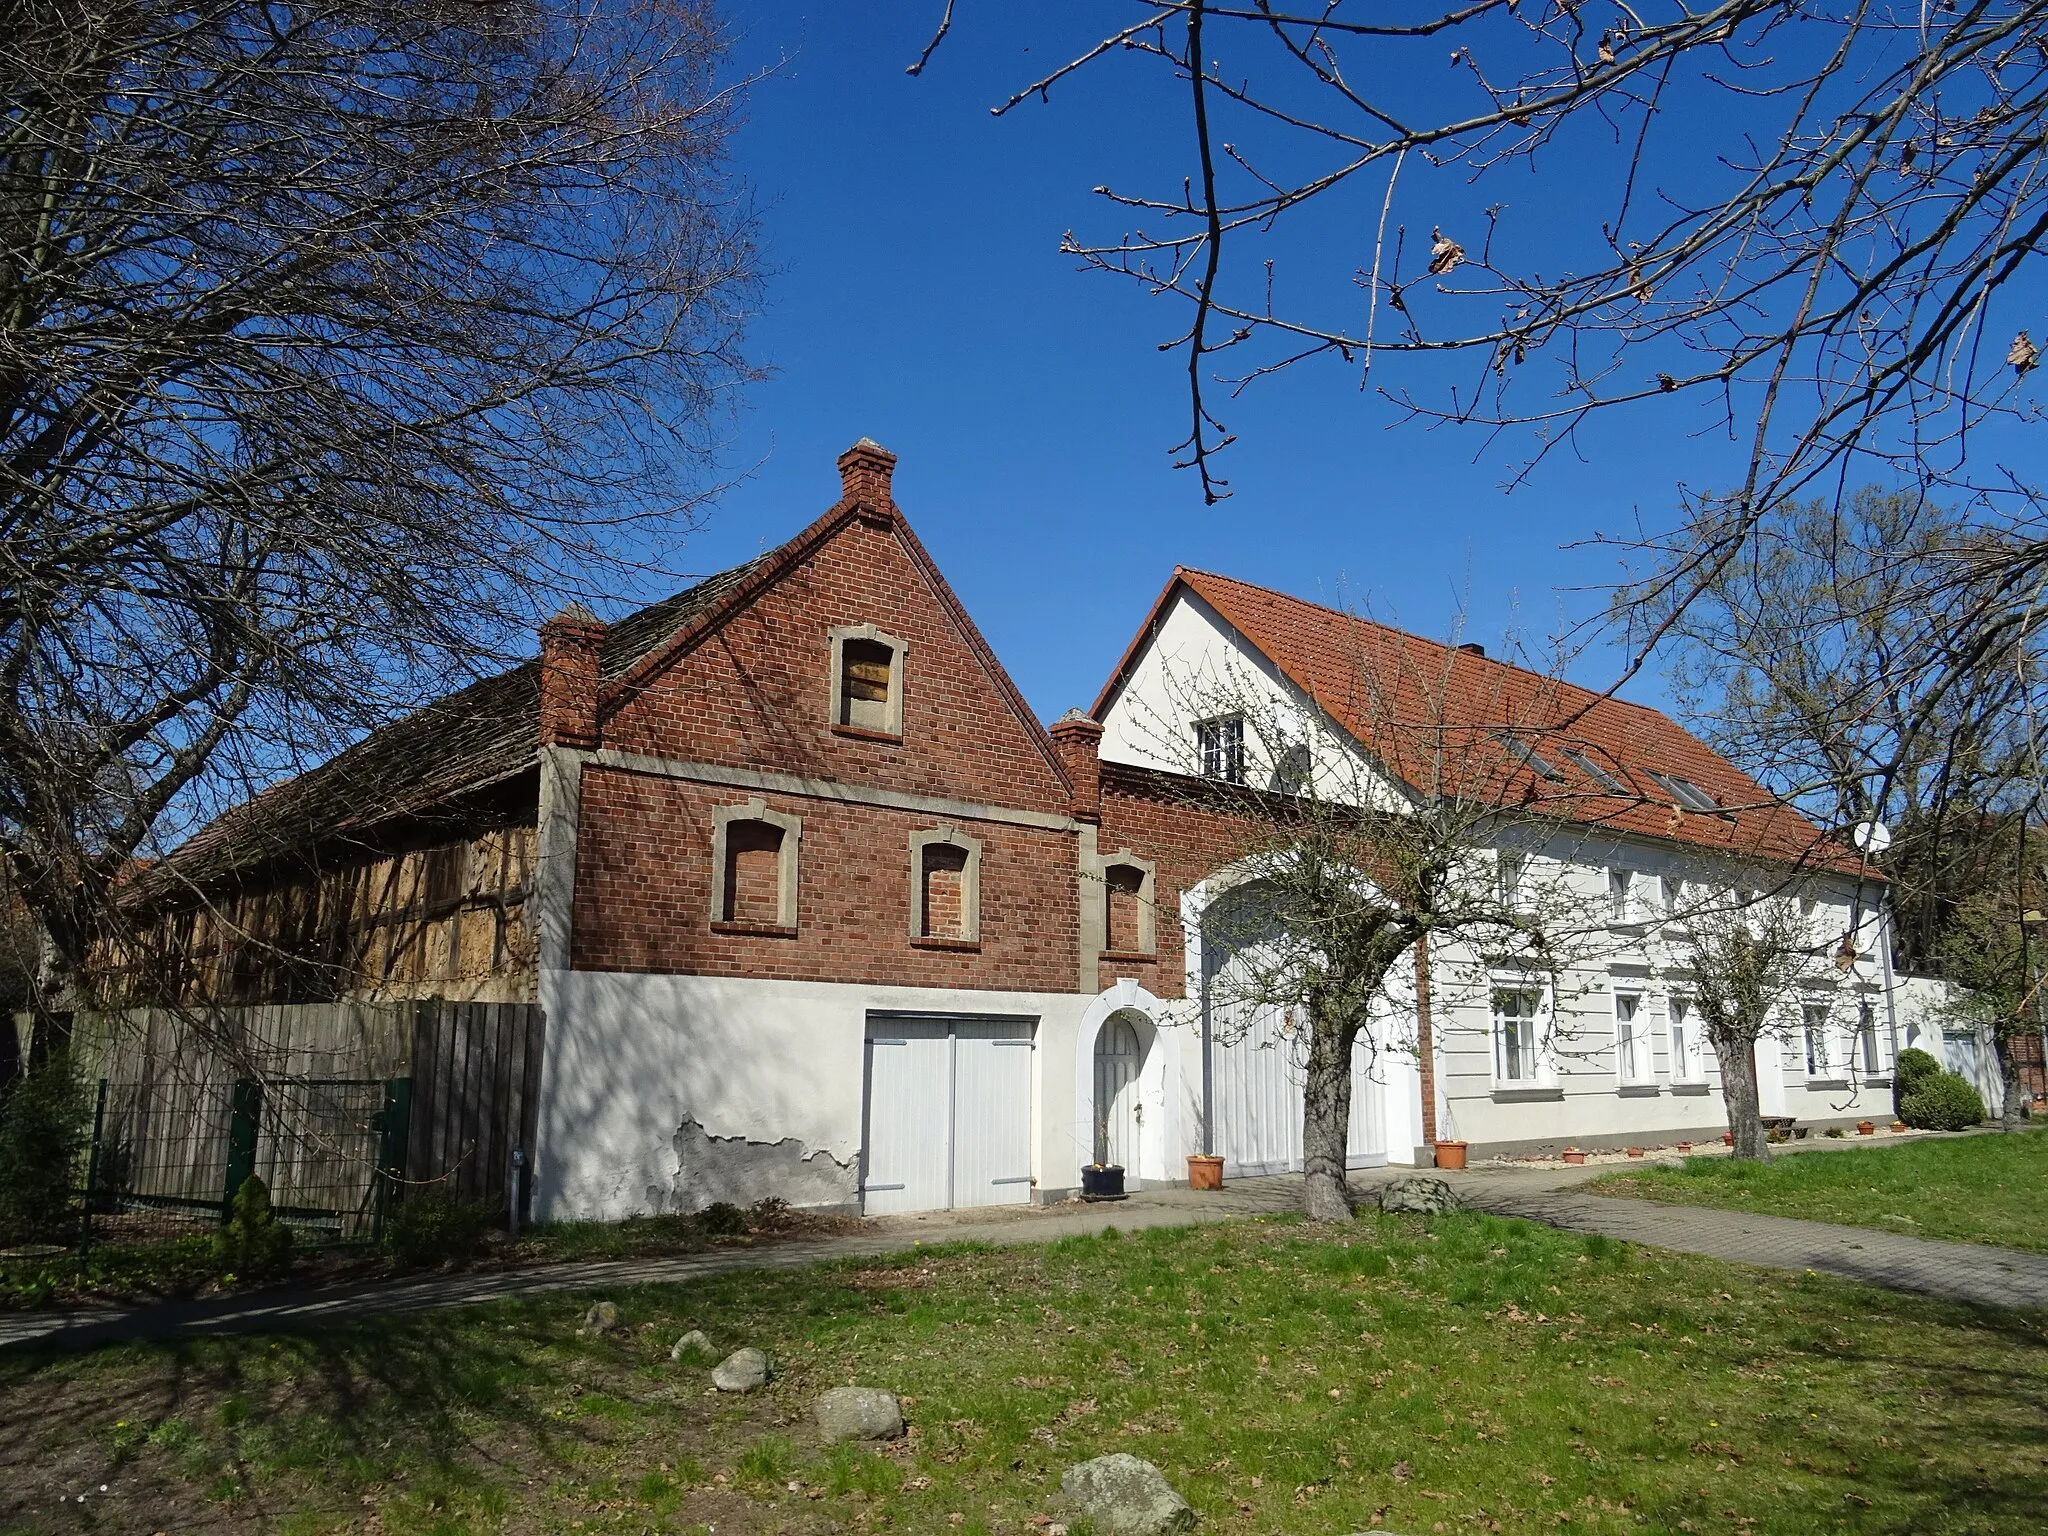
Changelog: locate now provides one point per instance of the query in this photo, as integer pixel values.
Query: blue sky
(918, 297)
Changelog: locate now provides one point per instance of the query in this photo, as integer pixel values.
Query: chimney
(864, 471)
(1473, 648)
(569, 677)
(1078, 741)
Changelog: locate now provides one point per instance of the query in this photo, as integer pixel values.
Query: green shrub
(254, 1241)
(45, 1126)
(1914, 1067)
(722, 1219)
(1944, 1102)
(429, 1227)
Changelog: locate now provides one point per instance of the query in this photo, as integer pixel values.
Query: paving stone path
(1967, 1272)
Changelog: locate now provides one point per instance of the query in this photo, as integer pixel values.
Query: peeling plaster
(740, 1171)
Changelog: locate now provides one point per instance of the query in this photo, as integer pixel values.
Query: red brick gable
(749, 685)
(1404, 698)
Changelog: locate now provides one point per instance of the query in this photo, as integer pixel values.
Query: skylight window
(1688, 794)
(1527, 755)
(1594, 771)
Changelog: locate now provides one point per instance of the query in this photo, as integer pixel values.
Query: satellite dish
(1873, 837)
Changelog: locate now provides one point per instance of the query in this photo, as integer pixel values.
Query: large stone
(859, 1413)
(1124, 1496)
(1417, 1192)
(744, 1370)
(602, 1318)
(691, 1347)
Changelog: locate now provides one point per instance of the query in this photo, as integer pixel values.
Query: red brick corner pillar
(569, 677)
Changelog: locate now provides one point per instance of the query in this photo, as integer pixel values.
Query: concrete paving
(1966, 1272)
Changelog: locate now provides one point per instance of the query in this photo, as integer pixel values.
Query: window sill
(1631, 926)
(1638, 1090)
(1698, 1090)
(1532, 1094)
(755, 930)
(1878, 1082)
(1129, 956)
(954, 946)
(862, 733)
(1828, 1084)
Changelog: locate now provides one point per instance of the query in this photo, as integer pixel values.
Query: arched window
(945, 889)
(867, 681)
(754, 870)
(1130, 920)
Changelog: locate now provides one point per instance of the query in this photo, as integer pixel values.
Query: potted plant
(1574, 1156)
(1898, 1126)
(1450, 1154)
(1205, 1170)
(1865, 1128)
(1635, 1151)
(1102, 1181)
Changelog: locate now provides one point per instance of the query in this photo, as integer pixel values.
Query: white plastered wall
(765, 1078)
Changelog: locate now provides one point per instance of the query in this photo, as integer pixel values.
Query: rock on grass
(691, 1346)
(744, 1370)
(1124, 1496)
(1418, 1192)
(859, 1413)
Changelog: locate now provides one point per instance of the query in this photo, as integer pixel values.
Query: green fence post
(394, 1139)
(92, 1171)
(245, 1113)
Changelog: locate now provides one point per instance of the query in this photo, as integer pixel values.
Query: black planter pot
(1102, 1183)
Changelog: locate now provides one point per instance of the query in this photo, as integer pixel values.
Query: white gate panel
(910, 1118)
(991, 1114)
(1118, 1060)
(1366, 1145)
(1259, 1071)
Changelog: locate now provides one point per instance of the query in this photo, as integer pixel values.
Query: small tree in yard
(1747, 957)
(1994, 987)
(1358, 860)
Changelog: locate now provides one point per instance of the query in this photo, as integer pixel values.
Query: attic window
(1219, 743)
(945, 889)
(1688, 794)
(1528, 756)
(1593, 770)
(754, 870)
(867, 681)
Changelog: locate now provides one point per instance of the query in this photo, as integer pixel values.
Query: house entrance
(948, 1113)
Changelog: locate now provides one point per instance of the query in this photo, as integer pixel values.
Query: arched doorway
(1119, 1105)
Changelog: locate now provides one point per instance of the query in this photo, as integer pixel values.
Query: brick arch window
(1130, 917)
(945, 889)
(754, 870)
(867, 680)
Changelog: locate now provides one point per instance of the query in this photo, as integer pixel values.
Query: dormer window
(1130, 921)
(1689, 794)
(754, 870)
(1587, 764)
(945, 889)
(867, 681)
(1529, 757)
(1219, 744)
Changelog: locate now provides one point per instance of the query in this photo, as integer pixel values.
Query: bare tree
(332, 337)
(1990, 957)
(1851, 661)
(1817, 221)
(1747, 956)
(1359, 853)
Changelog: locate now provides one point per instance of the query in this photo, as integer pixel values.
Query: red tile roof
(1439, 713)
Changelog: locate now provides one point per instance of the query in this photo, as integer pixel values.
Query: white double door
(948, 1117)
(1259, 1065)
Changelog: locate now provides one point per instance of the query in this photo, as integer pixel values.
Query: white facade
(1601, 1053)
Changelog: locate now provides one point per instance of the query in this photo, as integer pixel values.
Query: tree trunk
(1739, 1092)
(1326, 1120)
(54, 1002)
(2009, 1116)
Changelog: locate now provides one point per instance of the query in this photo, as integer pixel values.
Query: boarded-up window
(945, 891)
(753, 873)
(443, 874)
(1126, 883)
(867, 672)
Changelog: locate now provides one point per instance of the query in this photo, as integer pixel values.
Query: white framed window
(1518, 1026)
(1511, 867)
(1868, 1057)
(1819, 1049)
(1219, 744)
(1632, 1058)
(867, 680)
(1688, 1060)
(1622, 908)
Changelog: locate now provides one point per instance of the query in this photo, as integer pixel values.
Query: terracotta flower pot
(1450, 1154)
(1574, 1156)
(1865, 1128)
(1635, 1151)
(1727, 1138)
(1205, 1171)
(1685, 1146)
(1898, 1126)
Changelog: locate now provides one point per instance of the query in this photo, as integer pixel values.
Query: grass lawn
(1971, 1189)
(1470, 1375)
